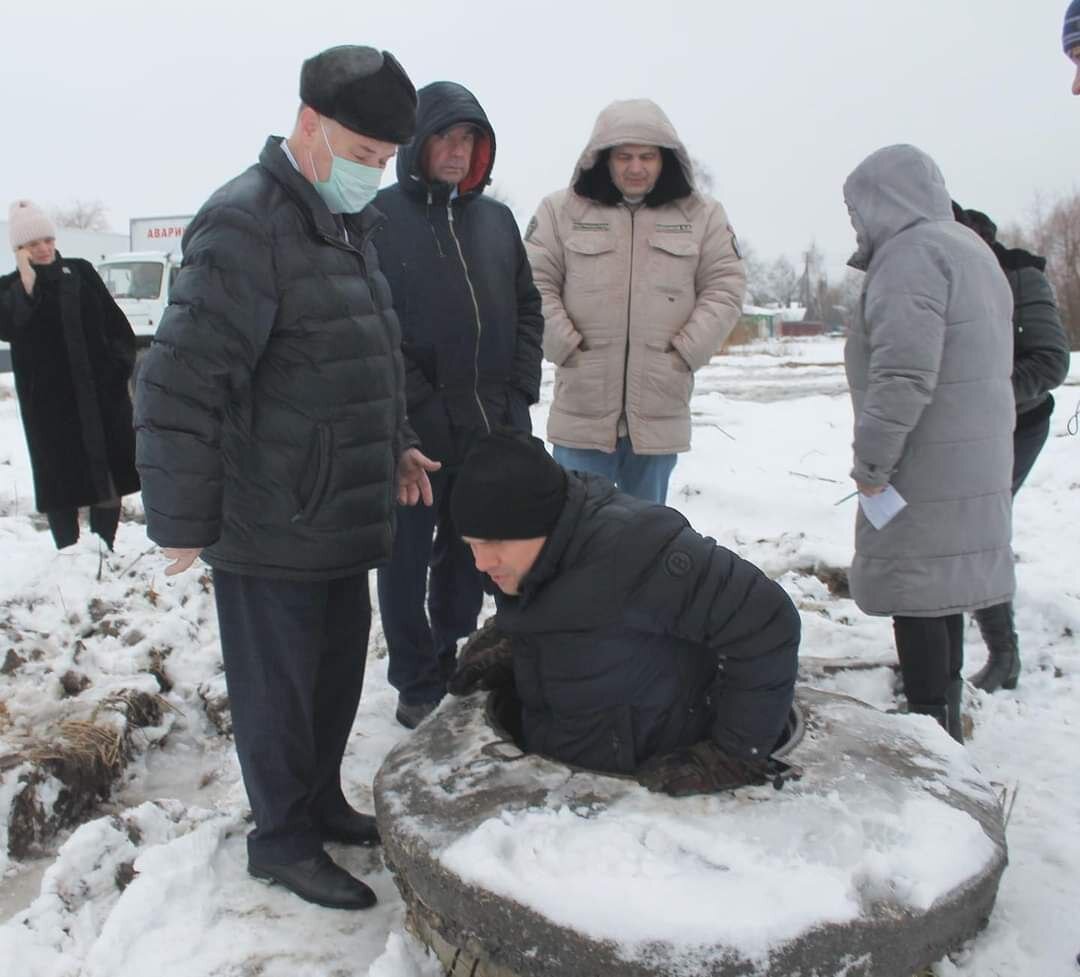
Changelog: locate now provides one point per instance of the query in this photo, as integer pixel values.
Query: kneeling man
(636, 645)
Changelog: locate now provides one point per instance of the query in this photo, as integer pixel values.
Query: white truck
(140, 279)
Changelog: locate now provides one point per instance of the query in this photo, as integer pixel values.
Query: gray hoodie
(928, 362)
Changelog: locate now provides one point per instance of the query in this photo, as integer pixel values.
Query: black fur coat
(72, 351)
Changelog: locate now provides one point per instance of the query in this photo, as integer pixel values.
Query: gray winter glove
(484, 662)
(699, 769)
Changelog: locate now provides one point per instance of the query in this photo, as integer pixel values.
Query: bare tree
(757, 275)
(783, 281)
(88, 215)
(1055, 233)
(703, 176)
(839, 303)
(813, 283)
(1063, 263)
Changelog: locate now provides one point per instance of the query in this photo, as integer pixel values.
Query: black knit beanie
(1070, 33)
(365, 90)
(977, 221)
(509, 487)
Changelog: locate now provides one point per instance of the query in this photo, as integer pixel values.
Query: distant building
(789, 327)
(759, 322)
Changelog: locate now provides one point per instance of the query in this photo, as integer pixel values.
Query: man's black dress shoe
(350, 828)
(319, 880)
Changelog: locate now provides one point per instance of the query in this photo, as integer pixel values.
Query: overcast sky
(149, 106)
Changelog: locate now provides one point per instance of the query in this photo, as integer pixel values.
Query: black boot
(104, 520)
(1002, 668)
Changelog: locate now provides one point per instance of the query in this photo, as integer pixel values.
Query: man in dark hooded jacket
(271, 439)
(1040, 364)
(635, 645)
(471, 336)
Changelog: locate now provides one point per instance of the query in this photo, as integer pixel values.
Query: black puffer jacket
(72, 350)
(1040, 346)
(635, 635)
(270, 408)
(462, 286)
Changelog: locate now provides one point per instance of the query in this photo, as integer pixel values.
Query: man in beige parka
(641, 281)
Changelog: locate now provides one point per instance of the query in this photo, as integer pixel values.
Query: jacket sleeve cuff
(866, 473)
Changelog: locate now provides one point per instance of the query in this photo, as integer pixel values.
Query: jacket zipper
(626, 350)
(358, 250)
(476, 312)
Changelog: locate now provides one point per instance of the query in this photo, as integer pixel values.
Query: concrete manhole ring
(883, 857)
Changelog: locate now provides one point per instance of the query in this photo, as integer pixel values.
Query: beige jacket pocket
(591, 262)
(668, 382)
(582, 383)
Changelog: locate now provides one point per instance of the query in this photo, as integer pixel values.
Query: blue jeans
(643, 476)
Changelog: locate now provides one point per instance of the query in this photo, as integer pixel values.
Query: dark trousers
(64, 524)
(996, 622)
(1028, 441)
(294, 664)
(422, 643)
(931, 653)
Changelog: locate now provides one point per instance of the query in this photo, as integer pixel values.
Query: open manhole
(882, 857)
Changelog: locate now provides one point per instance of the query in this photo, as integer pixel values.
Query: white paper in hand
(881, 508)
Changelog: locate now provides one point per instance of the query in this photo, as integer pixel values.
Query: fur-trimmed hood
(639, 122)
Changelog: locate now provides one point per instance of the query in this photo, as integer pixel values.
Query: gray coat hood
(890, 191)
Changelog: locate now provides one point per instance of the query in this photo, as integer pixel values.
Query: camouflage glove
(699, 769)
(485, 661)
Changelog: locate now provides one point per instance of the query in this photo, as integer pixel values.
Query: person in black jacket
(72, 351)
(471, 336)
(1040, 364)
(272, 439)
(635, 645)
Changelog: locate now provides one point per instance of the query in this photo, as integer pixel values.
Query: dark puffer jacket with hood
(462, 287)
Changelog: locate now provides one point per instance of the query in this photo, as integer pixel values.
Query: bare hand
(181, 558)
(26, 270)
(869, 489)
(413, 482)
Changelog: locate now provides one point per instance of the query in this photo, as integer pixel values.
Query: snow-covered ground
(156, 881)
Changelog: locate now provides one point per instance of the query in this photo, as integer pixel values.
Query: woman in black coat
(72, 351)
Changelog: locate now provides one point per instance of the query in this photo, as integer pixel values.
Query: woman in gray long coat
(929, 362)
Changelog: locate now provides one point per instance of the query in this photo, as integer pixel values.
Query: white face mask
(350, 187)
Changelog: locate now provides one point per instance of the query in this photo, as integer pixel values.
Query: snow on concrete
(161, 887)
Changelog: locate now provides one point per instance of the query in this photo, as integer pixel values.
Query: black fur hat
(365, 90)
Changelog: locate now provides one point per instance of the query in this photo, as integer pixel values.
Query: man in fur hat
(272, 441)
(641, 282)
